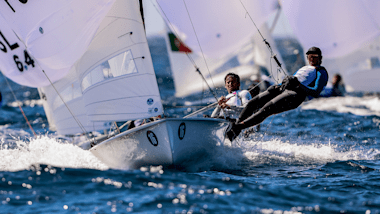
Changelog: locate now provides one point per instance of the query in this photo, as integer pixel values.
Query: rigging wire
(194, 64)
(279, 68)
(51, 83)
(188, 55)
(60, 96)
(18, 103)
(265, 41)
(199, 44)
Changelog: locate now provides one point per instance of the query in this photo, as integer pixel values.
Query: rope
(60, 96)
(18, 103)
(187, 54)
(51, 83)
(265, 41)
(215, 103)
(199, 44)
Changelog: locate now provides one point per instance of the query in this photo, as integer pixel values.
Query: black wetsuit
(272, 101)
(279, 98)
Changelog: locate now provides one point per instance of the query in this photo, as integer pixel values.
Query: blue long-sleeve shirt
(313, 79)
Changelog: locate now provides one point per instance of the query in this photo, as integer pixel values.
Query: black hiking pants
(272, 101)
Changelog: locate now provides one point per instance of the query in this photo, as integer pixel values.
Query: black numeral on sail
(18, 63)
(4, 49)
(10, 6)
(28, 59)
(12, 47)
(22, 1)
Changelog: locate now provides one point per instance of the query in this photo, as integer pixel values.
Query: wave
(23, 154)
(362, 106)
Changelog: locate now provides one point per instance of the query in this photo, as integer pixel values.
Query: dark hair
(233, 75)
(338, 77)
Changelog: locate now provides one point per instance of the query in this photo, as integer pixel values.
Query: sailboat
(109, 78)
(220, 38)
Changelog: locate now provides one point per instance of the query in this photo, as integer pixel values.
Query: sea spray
(46, 150)
(276, 151)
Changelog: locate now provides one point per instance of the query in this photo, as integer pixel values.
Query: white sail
(116, 73)
(338, 27)
(225, 33)
(348, 34)
(49, 35)
(221, 25)
(70, 119)
(113, 81)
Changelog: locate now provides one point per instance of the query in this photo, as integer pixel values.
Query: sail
(70, 117)
(49, 35)
(113, 81)
(337, 27)
(116, 72)
(220, 25)
(228, 38)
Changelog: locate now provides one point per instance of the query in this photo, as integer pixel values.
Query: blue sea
(323, 157)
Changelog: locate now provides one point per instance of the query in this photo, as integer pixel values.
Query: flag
(177, 45)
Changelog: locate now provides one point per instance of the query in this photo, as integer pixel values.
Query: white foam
(362, 106)
(46, 150)
(276, 151)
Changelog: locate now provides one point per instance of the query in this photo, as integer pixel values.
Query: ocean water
(323, 157)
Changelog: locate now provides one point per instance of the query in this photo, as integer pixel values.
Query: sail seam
(121, 98)
(114, 79)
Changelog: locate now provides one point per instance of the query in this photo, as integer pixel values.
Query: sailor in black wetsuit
(308, 80)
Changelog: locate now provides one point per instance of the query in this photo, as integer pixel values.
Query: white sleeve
(245, 96)
(216, 112)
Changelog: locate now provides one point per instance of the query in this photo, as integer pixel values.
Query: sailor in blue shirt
(308, 80)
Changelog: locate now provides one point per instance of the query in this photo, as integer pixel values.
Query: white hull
(164, 142)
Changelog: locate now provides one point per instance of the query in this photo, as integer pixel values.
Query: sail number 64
(28, 60)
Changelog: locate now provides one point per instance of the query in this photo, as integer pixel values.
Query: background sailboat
(221, 38)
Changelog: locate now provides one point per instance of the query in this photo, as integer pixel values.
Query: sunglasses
(314, 57)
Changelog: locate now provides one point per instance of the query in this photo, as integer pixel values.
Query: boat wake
(362, 106)
(276, 152)
(23, 154)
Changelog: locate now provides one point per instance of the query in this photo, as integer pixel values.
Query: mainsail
(116, 72)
